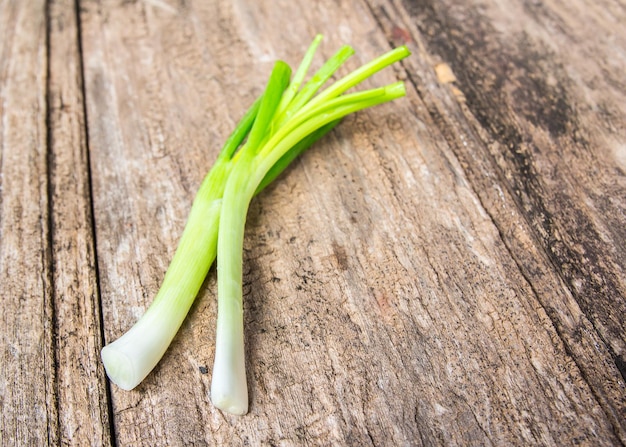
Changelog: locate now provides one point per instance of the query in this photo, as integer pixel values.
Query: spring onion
(287, 118)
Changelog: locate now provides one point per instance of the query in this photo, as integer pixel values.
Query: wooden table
(448, 269)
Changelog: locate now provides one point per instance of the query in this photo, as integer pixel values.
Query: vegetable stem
(302, 121)
(130, 358)
(229, 391)
(283, 122)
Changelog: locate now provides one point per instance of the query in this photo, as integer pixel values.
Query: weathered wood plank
(157, 116)
(81, 382)
(28, 401)
(540, 132)
(400, 286)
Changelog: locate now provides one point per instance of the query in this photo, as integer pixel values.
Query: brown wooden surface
(448, 269)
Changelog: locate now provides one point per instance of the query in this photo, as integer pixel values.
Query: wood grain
(545, 151)
(81, 385)
(27, 351)
(444, 270)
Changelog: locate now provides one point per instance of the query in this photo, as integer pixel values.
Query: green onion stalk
(288, 118)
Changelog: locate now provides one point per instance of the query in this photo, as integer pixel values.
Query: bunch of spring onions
(286, 119)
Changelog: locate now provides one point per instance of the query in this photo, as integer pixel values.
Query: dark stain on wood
(506, 83)
(341, 257)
